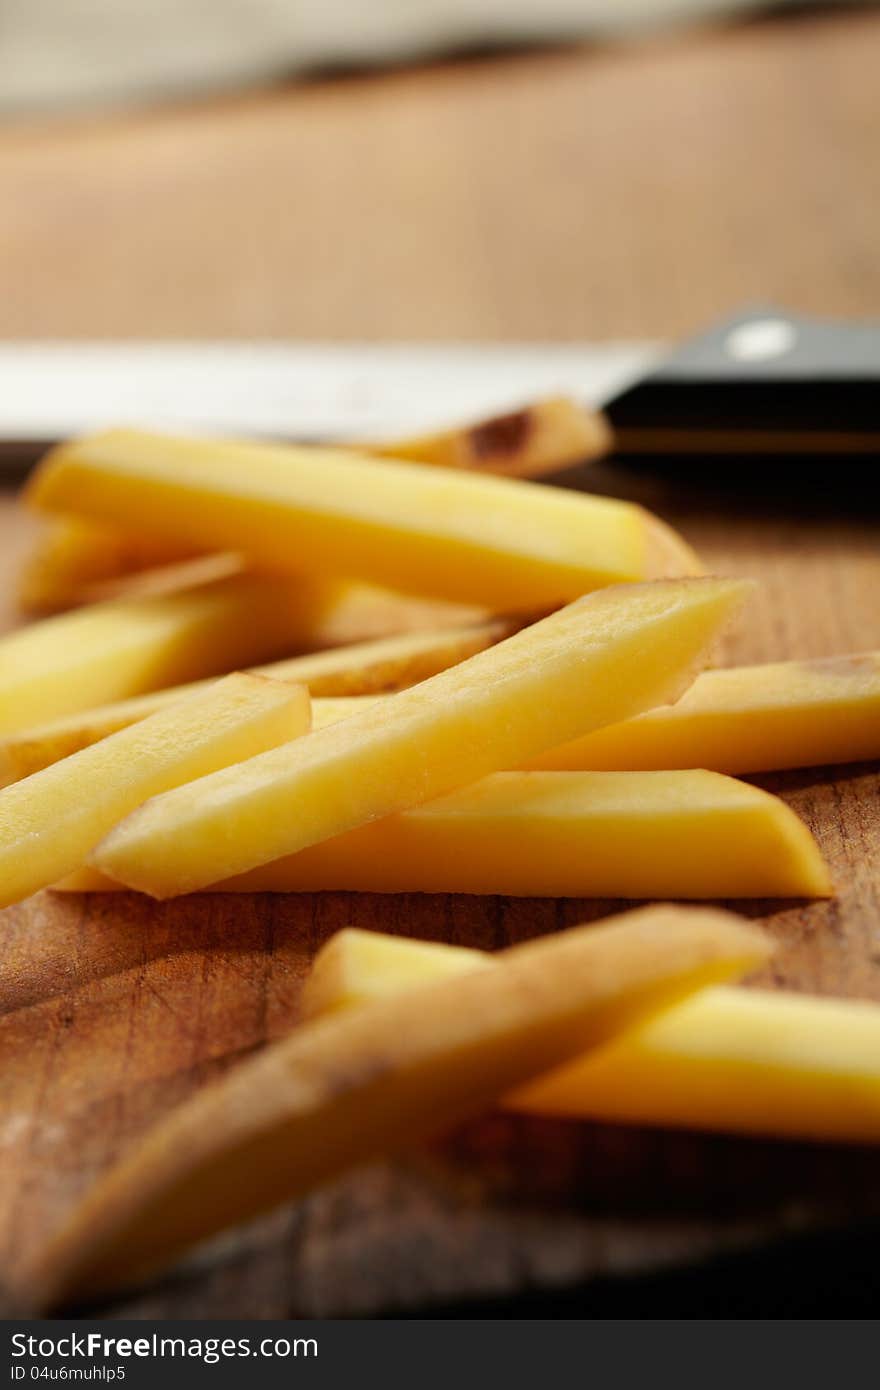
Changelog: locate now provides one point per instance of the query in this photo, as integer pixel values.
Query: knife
(762, 385)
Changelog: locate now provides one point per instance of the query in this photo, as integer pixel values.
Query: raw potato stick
(668, 553)
(348, 1089)
(49, 822)
(357, 967)
(733, 1060)
(564, 834)
(742, 719)
(80, 561)
(124, 648)
(432, 531)
(74, 561)
(684, 835)
(748, 719)
(539, 438)
(384, 664)
(366, 612)
(609, 654)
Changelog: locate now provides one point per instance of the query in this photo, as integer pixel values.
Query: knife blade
(761, 385)
(304, 391)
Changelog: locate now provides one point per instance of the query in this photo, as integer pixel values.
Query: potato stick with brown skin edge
(683, 835)
(351, 1088)
(49, 822)
(611, 653)
(384, 664)
(746, 1061)
(543, 437)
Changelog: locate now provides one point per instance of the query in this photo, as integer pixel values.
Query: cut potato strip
(539, 438)
(565, 834)
(432, 531)
(740, 720)
(49, 822)
(748, 719)
(358, 612)
(75, 561)
(129, 646)
(357, 967)
(384, 664)
(612, 653)
(329, 709)
(743, 719)
(668, 553)
(366, 612)
(78, 561)
(736, 1060)
(348, 1089)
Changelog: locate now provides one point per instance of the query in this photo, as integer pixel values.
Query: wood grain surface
(575, 194)
(114, 1008)
(628, 191)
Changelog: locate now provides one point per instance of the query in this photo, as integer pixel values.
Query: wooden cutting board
(114, 1008)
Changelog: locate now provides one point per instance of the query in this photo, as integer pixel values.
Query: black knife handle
(764, 382)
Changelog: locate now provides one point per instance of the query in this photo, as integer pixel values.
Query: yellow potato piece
(358, 967)
(80, 561)
(49, 822)
(539, 438)
(128, 646)
(344, 611)
(736, 1060)
(571, 835)
(668, 553)
(329, 709)
(744, 719)
(748, 719)
(74, 561)
(386, 663)
(77, 561)
(365, 612)
(348, 1089)
(610, 653)
(433, 531)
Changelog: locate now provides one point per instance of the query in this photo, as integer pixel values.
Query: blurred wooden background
(627, 191)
